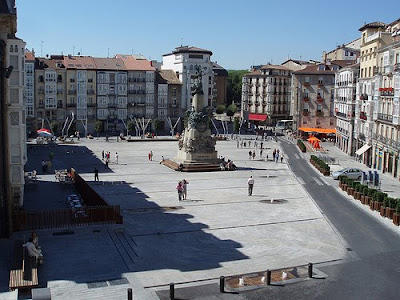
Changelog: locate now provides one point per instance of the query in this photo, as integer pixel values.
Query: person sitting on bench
(33, 251)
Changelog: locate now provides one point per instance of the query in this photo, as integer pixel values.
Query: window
(14, 118)
(11, 48)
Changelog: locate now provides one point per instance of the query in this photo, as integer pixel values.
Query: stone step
(125, 247)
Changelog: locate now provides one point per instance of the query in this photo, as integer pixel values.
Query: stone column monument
(196, 146)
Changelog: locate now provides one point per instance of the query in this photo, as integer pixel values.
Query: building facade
(373, 37)
(12, 117)
(345, 101)
(184, 61)
(266, 95)
(313, 96)
(220, 88)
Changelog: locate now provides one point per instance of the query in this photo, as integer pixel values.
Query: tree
(234, 89)
(220, 109)
(98, 126)
(157, 125)
(131, 126)
(236, 124)
(230, 111)
(54, 127)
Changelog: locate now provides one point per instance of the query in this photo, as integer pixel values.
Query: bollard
(130, 295)
(268, 277)
(310, 267)
(222, 284)
(172, 291)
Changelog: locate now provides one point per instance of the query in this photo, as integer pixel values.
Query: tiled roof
(167, 76)
(297, 61)
(115, 64)
(79, 62)
(29, 55)
(187, 49)
(220, 71)
(314, 69)
(373, 25)
(274, 67)
(133, 63)
(343, 63)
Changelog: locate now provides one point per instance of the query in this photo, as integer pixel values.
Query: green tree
(234, 88)
(220, 109)
(230, 111)
(54, 127)
(236, 124)
(98, 126)
(131, 126)
(156, 125)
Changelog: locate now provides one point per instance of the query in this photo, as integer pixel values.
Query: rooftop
(373, 25)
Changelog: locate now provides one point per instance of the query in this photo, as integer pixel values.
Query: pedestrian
(250, 183)
(151, 155)
(116, 158)
(250, 154)
(273, 154)
(184, 188)
(281, 158)
(266, 158)
(107, 137)
(107, 160)
(249, 144)
(237, 144)
(43, 166)
(261, 145)
(245, 144)
(276, 157)
(261, 151)
(179, 188)
(102, 155)
(96, 174)
(241, 144)
(255, 144)
(254, 154)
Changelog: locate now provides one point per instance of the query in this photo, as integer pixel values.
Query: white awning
(363, 149)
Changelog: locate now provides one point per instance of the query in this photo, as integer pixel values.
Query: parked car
(352, 173)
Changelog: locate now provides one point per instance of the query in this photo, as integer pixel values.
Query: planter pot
(382, 211)
(389, 212)
(350, 191)
(372, 205)
(344, 187)
(367, 200)
(396, 219)
(327, 173)
(362, 199)
(357, 195)
(378, 205)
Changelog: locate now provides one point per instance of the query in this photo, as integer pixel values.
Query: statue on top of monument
(198, 85)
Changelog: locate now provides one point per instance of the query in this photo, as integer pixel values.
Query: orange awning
(317, 130)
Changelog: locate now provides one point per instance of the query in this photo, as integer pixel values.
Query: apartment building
(373, 37)
(386, 109)
(141, 86)
(169, 93)
(184, 61)
(313, 96)
(266, 95)
(220, 87)
(344, 102)
(349, 51)
(29, 90)
(12, 117)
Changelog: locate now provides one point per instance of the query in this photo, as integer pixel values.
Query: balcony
(140, 104)
(306, 84)
(60, 105)
(320, 99)
(305, 113)
(385, 117)
(71, 92)
(71, 105)
(306, 99)
(91, 105)
(172, 105)
(397, 67)
(60, 92)
(90, 92)
(320, 84)
(388, 92)
(41, 92)
(319, 113)
(363, 116)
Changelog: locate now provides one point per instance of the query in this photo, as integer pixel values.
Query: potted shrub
(301, 145)
(344, 183)
(382, 209)
(377, 200)
(396, 214)
(350, 187)
(370, 192)
(391, 208)
(342, 179)
(357, 193)
(364, 196)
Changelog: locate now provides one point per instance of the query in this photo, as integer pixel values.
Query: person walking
(250, 183)
(102, 155)
(179, 188)
(250, 154)
(254, 154)
(237, 144)
(282, 158)
(151, 155)
(184, 188)
(116, 158)
(261, 151)
(96, 174)
(107, 160)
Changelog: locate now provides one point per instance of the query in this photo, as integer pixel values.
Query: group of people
(276, 156)
(34, 250)
(244, 144)
(106, 156)
(182, 189)
(227, 165)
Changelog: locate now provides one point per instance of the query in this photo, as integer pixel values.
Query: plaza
(218, 230)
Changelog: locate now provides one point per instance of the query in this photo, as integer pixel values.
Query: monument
(196, 146)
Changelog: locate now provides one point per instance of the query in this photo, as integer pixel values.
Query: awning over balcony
(257, 117)
(363, 149)
(317, 130)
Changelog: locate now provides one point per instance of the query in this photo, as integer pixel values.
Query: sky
(239, 33)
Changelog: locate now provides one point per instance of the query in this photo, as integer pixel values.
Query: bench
(23, 273)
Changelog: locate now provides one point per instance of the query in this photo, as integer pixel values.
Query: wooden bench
(23, 273)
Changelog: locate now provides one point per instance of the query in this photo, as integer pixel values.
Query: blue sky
(239, 33)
